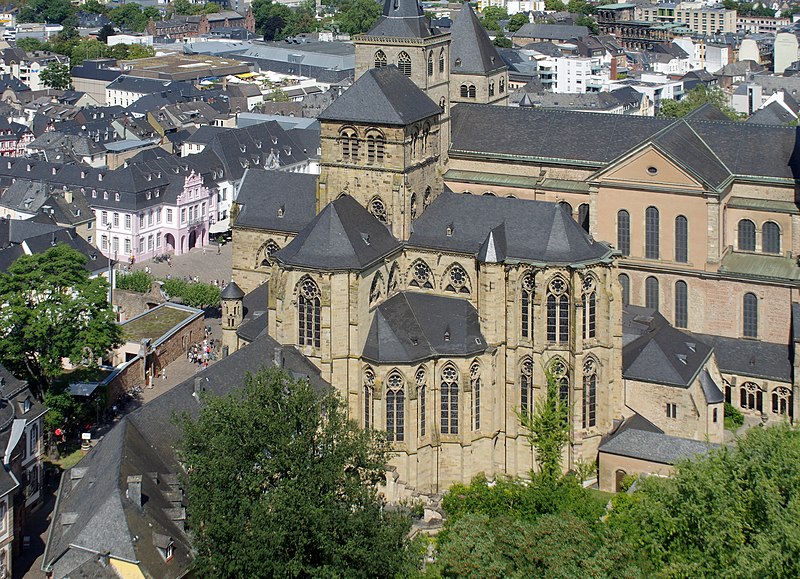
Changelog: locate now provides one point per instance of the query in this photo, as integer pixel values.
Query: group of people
(200, 354)
(220, 283)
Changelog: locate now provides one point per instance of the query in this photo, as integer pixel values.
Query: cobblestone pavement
(206, 266)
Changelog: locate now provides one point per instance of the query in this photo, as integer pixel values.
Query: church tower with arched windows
(380, 145)
(404, 37)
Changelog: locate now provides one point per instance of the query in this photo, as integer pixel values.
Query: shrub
(137, 281)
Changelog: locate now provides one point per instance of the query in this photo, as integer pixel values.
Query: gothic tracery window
(380, 59)
(782, 401)
(589, 307)
(475, 379)
(309, 314)
(395, 408)
(457, 280)
(589, 393)
(394, 274)
(750, 397)
(441, 61)
(376, 290)
(430, 63)
(449, 400)
(420, 379)
(526, 386)
(558, 311)
(421, 275)
(369, 397)
(560, 373)
(413, 206)
(404, 63)
(526, 305)
(265, 253)
(378, 209)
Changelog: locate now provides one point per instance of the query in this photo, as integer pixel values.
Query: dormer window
(25, 405)
(165, 546)
(116, 196)
(449, 230)
(105, 195)
(281, 210)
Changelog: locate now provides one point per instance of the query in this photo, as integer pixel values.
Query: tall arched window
(422, 398)
(449, 395)
(651, 299)
(441, 61)
(589, 393)
(750, 397)
(681, 304)
(369, 397)
(566, 207)
(457, 280)
(651, 233)
(589, 307)
(624, 232)
(747, 235)
(558, 311)
(472, 92)
(560, 373)
(413, 204)
(375, 147)
(34, 440)
(771, 237)
(625, 282)
(421, 275)
(463, 91)
(491, 88)
(750, 316)
(681, 239)
(426, 198)
(395, 407)
(380, 59)
(265, 252)
(526, 386)
(502, 85)
(394, 275)
(404, 63)
(475, 379)
(782, 401)
(308, 310)
(430, 63)
(583, 216)
(526, 304)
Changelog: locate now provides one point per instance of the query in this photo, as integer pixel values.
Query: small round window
(652, 170)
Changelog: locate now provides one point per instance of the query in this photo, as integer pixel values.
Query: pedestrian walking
(219, 248)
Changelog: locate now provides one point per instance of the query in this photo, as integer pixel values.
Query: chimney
(134, 493)
(68, 196)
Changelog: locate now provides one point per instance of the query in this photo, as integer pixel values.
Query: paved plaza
(204, 263)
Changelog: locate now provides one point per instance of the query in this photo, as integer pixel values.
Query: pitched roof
(402, 19)
(752, 358)
(343, 236)
(682, 143)
(471, 46)
(533, 231)
(551, 31)
(661, 354)
(410, 327)
(772, 114)
(654, 446)
(276, 200)
(383, 96)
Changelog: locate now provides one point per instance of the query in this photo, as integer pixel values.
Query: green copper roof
(490, 179)
(773, 205)
(757, 266)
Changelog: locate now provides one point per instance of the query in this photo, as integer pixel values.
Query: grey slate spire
(403, 19)
(471, 46)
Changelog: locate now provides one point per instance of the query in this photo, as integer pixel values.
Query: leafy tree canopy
(358, 16)
(281, 483)
(51, 11)
(554, 5)
(502, 41)
(731, 513)
(517, 21)
(695, 98)
(52, 310)
(56, 75)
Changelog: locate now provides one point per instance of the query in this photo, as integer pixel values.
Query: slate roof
(255, 312)
(231, 292)
(752, 358)
(551, 31)
(343, 236)
(795, 322)
(660, 354)
(772, 114)
(471, 46)
(682, 143)
(402, 19)
(382, 96)
(266, 195)
(532, 231)
(655, 446)
(411, 327)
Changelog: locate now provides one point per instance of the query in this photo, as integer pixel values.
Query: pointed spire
(403, 19)
(471, 46)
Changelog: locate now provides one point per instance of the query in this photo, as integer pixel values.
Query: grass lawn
(69, 459)
(600, 495)
(154, 324)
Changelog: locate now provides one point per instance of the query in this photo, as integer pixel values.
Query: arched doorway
(183, 244)
(192, 239)
(619, 478)
(169, 242)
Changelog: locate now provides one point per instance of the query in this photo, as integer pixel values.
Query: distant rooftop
(157, 322)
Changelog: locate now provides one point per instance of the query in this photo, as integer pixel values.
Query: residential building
(761, 24)
(698, 17)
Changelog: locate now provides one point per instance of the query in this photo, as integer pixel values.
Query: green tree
(554, 5)
(130, 17)
(53, 310)
(502, 41)
(51, 11)
(106, 31)
(56, 75)
(94, 7)
(30, 44)
(695, 98)
(182, 7)
(491, 17)
(358, 16)
(86, 49)
(589, 23)
(517, 21)
(136, 281)
(580, 7)
(281, 483)
(731, 513)
(548, 428)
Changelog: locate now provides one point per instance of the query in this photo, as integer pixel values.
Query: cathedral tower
(403, 37)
